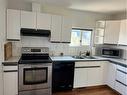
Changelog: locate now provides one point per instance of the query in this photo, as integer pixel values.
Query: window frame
(87, 29)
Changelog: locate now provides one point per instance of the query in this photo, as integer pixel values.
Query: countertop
(97, 58)
(13, 61)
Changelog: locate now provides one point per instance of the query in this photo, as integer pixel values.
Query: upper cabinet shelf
(99, 32)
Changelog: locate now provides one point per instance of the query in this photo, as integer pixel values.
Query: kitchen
(84, 48)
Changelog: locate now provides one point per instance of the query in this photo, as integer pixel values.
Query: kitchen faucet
(86, 53)
(80, 53)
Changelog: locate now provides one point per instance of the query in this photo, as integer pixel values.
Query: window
(81, 37)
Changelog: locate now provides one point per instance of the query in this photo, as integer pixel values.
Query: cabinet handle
(121, 71)
(121, 83)
(11, 71)
(89, 67)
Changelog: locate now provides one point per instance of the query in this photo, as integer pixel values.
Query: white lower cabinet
(120, 88)
(80, 77)
(88, 74)
(10, 80)
(95, 76)
(111, 75)
(121, 80)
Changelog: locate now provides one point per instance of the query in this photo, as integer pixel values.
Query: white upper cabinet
(13, 24)
(112, 30)
(123, 32)
(43, 21)
(61, 29)
(28, 19)
(66, 29)
(56, 28)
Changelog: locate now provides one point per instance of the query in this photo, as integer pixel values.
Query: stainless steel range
(35, 71)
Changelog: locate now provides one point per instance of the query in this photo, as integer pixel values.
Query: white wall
(81, 19)
(122, 15)
(2, 38)
(19, 4)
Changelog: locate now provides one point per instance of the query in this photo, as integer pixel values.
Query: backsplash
(55, 48)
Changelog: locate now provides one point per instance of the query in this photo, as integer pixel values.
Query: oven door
(32, 77)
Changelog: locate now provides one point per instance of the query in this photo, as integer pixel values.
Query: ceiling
(101, 6)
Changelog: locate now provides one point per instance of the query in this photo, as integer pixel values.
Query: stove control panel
(41, 50)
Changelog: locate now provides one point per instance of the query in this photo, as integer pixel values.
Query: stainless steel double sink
(83, 57)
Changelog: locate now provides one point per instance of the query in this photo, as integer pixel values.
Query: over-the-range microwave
(111, 52)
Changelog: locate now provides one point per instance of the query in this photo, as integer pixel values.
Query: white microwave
(111, 52)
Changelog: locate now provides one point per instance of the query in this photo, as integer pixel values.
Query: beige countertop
(12, 61)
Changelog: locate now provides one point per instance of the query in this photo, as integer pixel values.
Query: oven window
(35, 75)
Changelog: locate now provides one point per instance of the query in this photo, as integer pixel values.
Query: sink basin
(78, 57)
(83, 57)
(89, 57)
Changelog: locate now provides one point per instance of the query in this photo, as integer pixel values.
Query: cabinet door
(95, 76)
(123, 33)
(120, 88)
(43, 21)
(28, 19)
(111, 75)
(80, 77)
(66, 30)
(56, 28)
(13, 24)
(112, 30)
(10, 83)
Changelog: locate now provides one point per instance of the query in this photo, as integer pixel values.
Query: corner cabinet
(13, 24)
(28, 19)
(112, 30)
(10, 80)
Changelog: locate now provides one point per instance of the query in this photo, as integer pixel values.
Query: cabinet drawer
(94, 63)
(87, 64)
(121, 76)
(10, 68)
(120, 88)
(124, 69)
(80, 64)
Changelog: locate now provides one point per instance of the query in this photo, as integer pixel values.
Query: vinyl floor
(89, 91)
